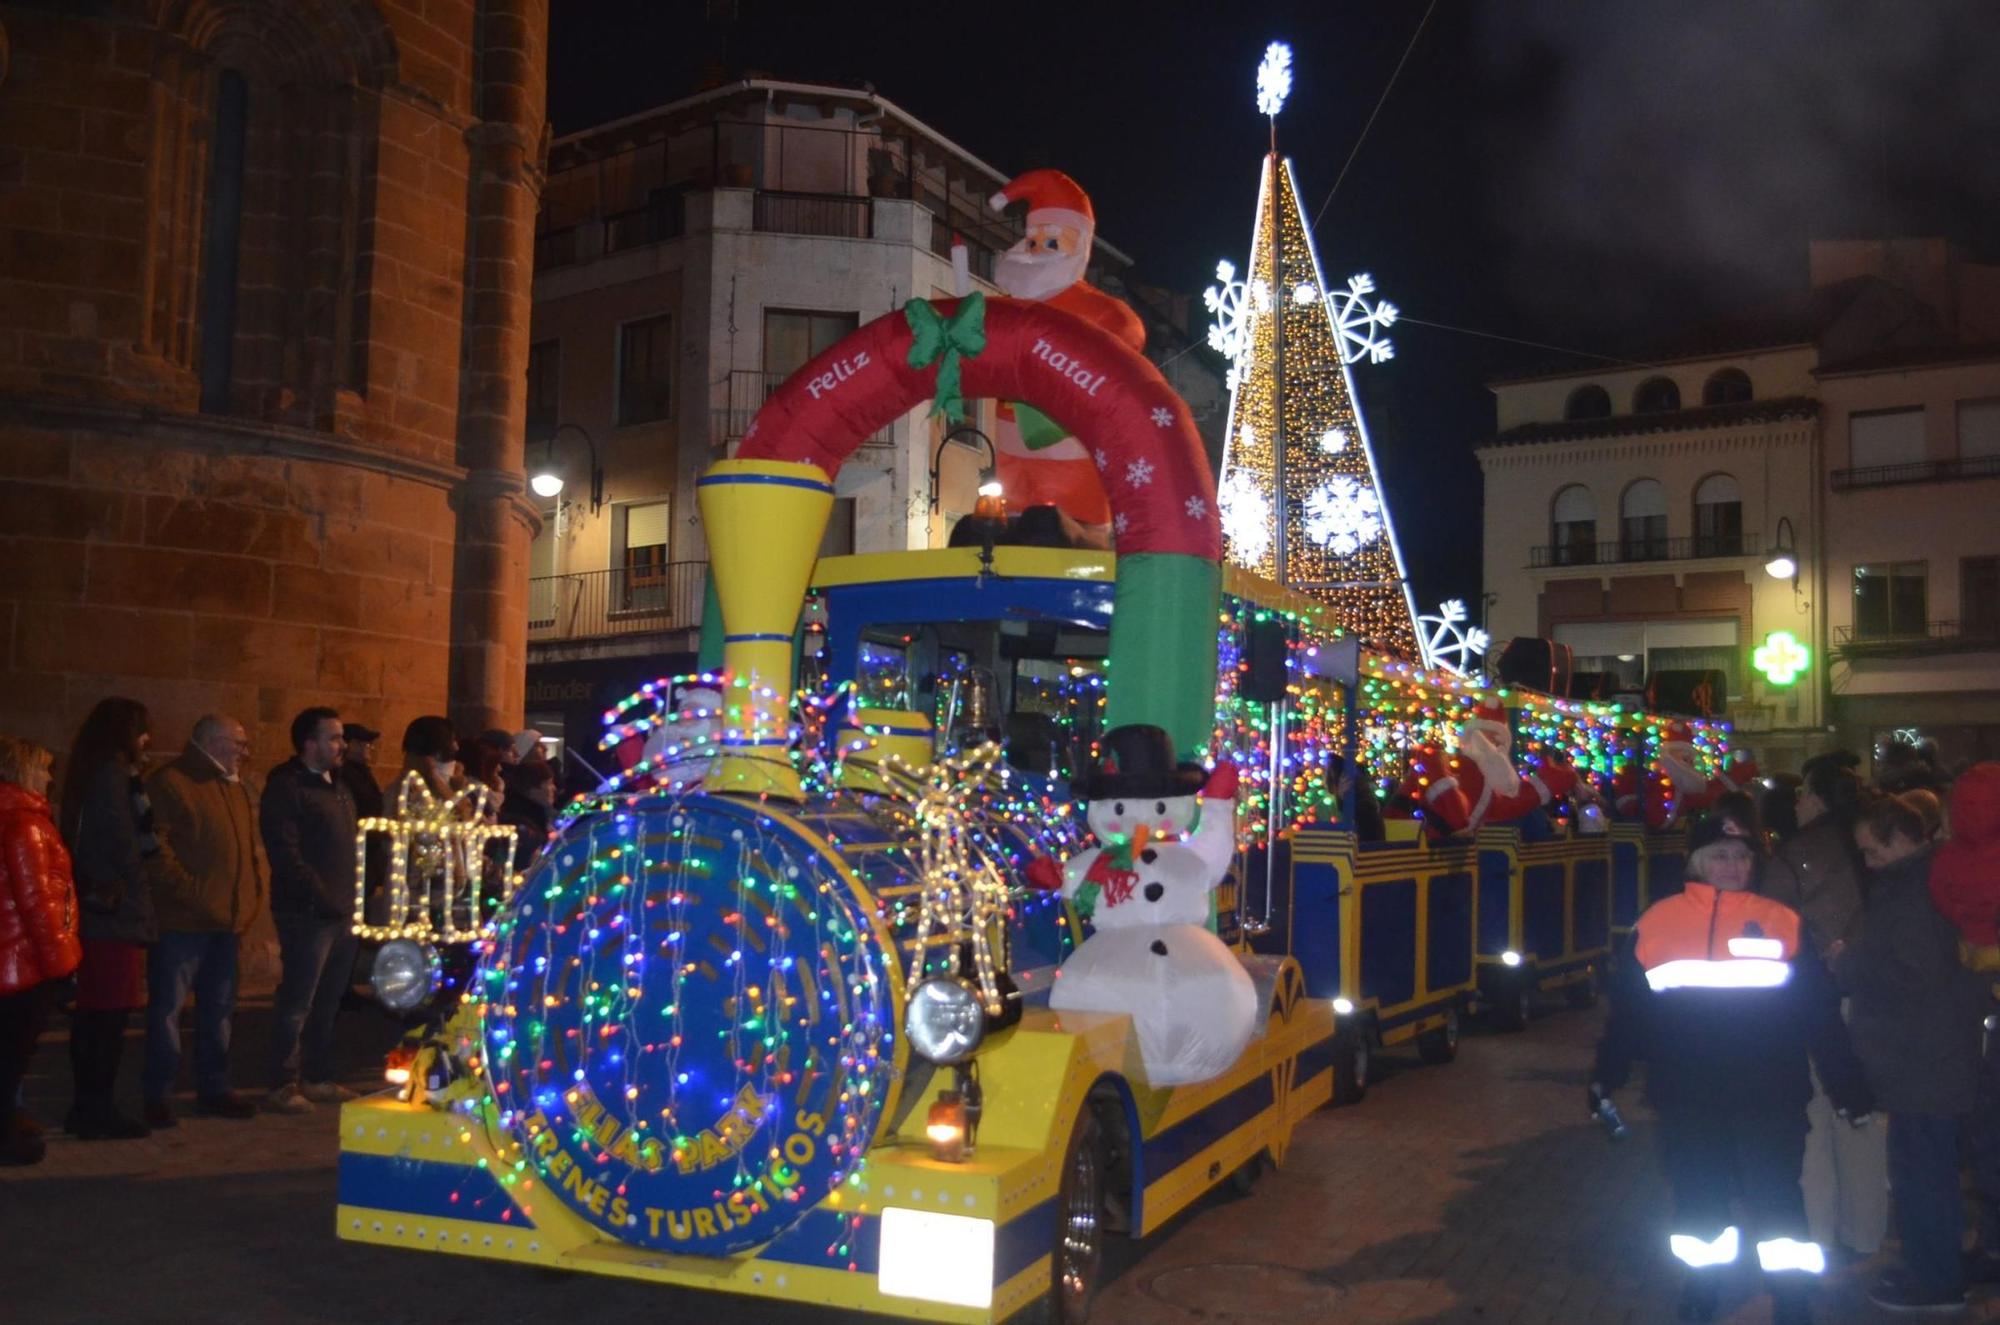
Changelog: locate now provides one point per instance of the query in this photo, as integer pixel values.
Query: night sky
(1598, 175)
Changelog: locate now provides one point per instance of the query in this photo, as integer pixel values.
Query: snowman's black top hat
(1137, 762)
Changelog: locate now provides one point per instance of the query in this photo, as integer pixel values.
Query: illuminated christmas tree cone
(764, 520)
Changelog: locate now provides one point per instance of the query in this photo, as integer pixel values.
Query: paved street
(1466, 1193)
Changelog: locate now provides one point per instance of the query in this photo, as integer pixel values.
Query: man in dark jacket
(308, 822)
(1726, 1002)
(208, 888)
(1915, 1015)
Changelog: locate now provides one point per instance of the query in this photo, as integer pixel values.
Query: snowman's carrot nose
(1140, 836)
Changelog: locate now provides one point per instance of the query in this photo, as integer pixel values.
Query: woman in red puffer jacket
(38, 942)
(1965, 886)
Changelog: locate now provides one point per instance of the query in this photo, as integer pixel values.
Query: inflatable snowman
(1136, 793)
(1152, 957)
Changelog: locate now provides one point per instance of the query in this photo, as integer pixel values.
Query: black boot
(96, 1043)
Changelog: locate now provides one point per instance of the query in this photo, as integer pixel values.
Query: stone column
(489, 620)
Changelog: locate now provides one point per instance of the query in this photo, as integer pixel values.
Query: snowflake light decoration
(1333, 441)
(1232, 302)
(1274, 78)
(1246, 519)
(1451, 645)
(1343, 515)
(1361, 321)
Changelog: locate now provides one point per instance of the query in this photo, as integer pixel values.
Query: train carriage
(789, 1033)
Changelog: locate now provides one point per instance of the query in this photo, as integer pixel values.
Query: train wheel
(1440, 1045)
(1583, 993)
(1353, 1064)
(1079, 1248)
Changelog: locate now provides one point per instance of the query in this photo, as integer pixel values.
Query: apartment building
(1806, 513)
(689, 259)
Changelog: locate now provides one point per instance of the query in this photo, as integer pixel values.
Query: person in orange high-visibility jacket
(1725, 1002)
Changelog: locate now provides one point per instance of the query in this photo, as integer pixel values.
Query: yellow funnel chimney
(764, 520)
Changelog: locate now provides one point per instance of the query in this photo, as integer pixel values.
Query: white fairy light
(1451, 645)
(1246, 519)
(1274, 78)
(1343, 514)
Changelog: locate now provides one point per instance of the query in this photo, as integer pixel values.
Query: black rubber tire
(1353, 1065)
(1440, 1045)
(1063, 1304)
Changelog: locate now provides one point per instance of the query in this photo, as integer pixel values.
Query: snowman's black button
(1149, 855)
(1155, 891)
(1160, 945)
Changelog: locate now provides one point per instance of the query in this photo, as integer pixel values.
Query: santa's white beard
(1677, 761)
(1038, 276)
(1494, 761)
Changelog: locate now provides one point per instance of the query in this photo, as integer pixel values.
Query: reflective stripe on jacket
(1725, 999)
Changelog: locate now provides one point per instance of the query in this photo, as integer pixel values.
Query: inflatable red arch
(1149, 456)
(1165, 525)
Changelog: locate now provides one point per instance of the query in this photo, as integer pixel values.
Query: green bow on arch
(945, 341)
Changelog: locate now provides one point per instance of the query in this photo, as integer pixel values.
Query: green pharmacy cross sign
(1781, 658)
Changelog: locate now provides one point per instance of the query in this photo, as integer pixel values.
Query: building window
(544, 387)
(645, 370)
(1656, 395)
(1588, 402)
(639, 535)
(1718, 517)
(222, 239)
(1978, 429)
(1885, 438)
(1979, 597)
(1573, 527)
(1728, 386)
(792, 338)
(1890, 600)
(1642, 522)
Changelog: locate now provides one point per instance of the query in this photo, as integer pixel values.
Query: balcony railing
(841, 215)
(1861, 641)
(1699, 547)
(605, 603)
(1924, 471)
(662, 218)
(749, 388)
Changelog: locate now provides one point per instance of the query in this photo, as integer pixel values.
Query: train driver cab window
(1035, 687)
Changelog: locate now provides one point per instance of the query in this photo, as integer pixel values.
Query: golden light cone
(764, 520)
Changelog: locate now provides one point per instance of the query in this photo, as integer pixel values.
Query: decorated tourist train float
(975, 903)
(804, 1004)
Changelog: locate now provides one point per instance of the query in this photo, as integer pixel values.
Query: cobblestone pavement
(1466, 1193)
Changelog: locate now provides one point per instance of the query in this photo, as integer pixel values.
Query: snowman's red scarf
(1112, 874)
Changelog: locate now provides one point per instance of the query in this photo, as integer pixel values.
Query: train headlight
(1510, 958)
(944, 1021)
(405, 974)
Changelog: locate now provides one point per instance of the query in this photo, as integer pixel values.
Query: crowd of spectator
(1883, 899)
(133, 887)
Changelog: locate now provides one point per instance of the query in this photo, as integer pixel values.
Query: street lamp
(546, 482)
(1784, 562)
(989, 473)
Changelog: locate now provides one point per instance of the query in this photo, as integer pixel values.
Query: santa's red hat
(1677, 733)
(1053, 198)
(1490, 717)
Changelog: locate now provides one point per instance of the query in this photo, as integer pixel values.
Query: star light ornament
(1451, 645)
(1361, 321)
(1342, 515)
(1233, 302)
(1246, 519)
(1274, 78)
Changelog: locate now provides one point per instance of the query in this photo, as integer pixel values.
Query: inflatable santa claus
(1040, 464)
(1675, 789)
(1479, 785)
